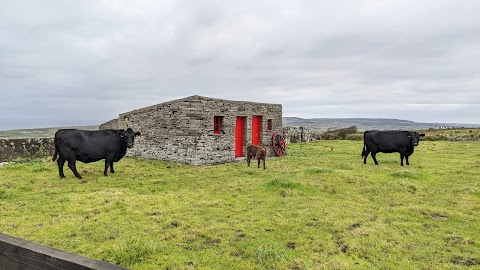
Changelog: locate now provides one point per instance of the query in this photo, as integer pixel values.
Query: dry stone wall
(11, 149)
(299, 134)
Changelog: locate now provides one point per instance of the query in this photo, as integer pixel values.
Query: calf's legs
(259, 159)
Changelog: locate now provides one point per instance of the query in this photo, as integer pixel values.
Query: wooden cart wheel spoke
(279, 144)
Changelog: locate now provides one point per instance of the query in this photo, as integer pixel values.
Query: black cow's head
(128, 136)
(415, 137)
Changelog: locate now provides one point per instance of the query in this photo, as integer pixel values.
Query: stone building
(200, 130)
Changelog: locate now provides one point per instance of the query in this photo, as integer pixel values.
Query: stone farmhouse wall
(11, 149)
(112, 124)
(183, 130)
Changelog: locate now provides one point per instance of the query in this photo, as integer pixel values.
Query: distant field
(37, 133)
(460, 134)
(319, 207)
(465, 134)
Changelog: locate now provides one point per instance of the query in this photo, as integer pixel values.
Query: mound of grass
(130, 252)
(282, 183)
(314, 170)
(405, 174)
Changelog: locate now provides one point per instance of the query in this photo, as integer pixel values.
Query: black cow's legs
(374, 156)
(365, 156)
(108, 163)
(71, 165)
(60, 162)
(401, 159)
(70, 156)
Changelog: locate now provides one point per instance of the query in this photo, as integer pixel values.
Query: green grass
(319, 207)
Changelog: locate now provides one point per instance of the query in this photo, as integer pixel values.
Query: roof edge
(189, 98)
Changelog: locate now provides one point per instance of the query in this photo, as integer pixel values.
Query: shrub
(339, 134)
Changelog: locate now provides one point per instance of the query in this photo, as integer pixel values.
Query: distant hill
(37, 132)
(316, 124)
(362, 124)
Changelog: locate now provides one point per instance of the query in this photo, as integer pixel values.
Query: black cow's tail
(364, 151)
(55, 154)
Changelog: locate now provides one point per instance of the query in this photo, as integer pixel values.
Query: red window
(217, 124)
(269, 124)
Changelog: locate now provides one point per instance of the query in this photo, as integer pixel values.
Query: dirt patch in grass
(465, 261)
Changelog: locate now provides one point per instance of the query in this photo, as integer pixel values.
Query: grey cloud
(327, 58)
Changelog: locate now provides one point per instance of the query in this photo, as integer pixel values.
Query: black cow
(402, 142)
(89, 146)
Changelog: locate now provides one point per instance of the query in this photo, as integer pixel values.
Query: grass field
(319, 207)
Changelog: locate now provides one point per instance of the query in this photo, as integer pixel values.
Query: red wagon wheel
(279, 144)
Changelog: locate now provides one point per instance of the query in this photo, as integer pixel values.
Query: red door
(256, 129)
(239, 129)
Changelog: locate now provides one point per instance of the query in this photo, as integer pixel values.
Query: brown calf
(260, 152)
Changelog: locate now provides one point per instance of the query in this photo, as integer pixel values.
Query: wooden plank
(19, 254)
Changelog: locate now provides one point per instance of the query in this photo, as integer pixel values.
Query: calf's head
(128, 136)
(262, 150)
(415, 137)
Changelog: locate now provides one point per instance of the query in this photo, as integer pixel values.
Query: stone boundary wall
(11, 149)
(298, 134)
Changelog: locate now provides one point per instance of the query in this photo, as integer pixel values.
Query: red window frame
(217, 124)
(269, 124)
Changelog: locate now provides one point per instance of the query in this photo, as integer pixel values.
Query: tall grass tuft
(266, 256)
(131, 252)
(405, 174)
(314, 170)
(282, 183)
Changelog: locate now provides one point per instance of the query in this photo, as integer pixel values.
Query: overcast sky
(72, 62)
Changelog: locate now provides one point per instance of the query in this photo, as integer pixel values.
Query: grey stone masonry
(182, 130)
(11, 149)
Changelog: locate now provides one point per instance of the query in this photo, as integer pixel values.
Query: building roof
(194, 97)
